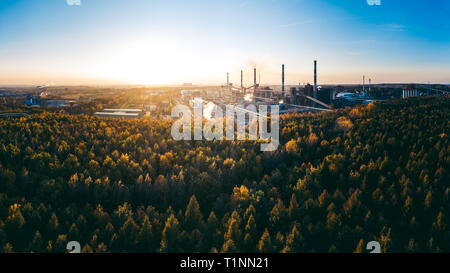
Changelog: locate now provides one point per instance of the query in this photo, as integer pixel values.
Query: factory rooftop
(119, 113)
(123, 110)
(13, 115)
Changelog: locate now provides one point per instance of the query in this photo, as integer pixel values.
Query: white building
(119, 113)
(410, 91)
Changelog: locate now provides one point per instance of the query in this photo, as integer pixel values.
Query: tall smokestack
(254, 76)
(282, 77)
(228, 82)
(364, 84)
(242, 81)
(315, 79)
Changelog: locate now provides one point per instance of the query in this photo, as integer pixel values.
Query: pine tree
(193, 217)
(61, 244)
(233, 233)
(101, 248)
(360, 247)
(412, 246)
(87, 249)
(294, 211)
(385, 240)
(2, 233)
(37, 245)
(265, 243)
(229, 247)
(251, 225)
(145, 237)
(53, 224)
(212, 236)
(74, 234)
(294, 241)
(279, 242)
(169, 241)
(249, 244)
(128, 234)
(279, 216)
(212, 223)
(249, 211)
(8, 248)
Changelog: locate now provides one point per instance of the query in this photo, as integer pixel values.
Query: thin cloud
(244, 3)
(293, 24)
(396, 27)
(365, 41)
(73, 2)
(316, 21)
(355, 53)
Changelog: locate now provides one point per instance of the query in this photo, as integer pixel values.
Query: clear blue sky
(175, 41)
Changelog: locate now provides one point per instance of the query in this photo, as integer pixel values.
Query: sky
(155, 42)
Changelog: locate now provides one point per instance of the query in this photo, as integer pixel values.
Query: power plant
(297, 99)
(302, 97)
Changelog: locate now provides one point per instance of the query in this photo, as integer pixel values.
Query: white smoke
(73, 2)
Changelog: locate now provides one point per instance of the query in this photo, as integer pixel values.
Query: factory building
(326, 94)
(136, 111)
(58, 103)
(150, 107)
(119, 113)
(264, 92)
(290, 98)
(410, 91)
(14, 115)
(32, 100)
(189, 94)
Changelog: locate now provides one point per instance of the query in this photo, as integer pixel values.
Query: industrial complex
(136, 102)
(300, 98)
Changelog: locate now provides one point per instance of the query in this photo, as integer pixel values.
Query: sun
(147, 62)
(159, 61)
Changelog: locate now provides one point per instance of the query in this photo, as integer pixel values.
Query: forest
(337, 181)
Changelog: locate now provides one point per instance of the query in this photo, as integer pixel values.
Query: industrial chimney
(242, 81)
(364, 84)
(315, 79)
(282, 77)
(254, 76)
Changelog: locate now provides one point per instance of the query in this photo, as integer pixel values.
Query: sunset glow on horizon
(172, 42)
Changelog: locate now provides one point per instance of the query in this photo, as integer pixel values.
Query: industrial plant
(138, 102)
(306, 97)
(300, 98)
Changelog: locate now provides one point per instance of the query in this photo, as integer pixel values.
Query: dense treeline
(338, 181)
